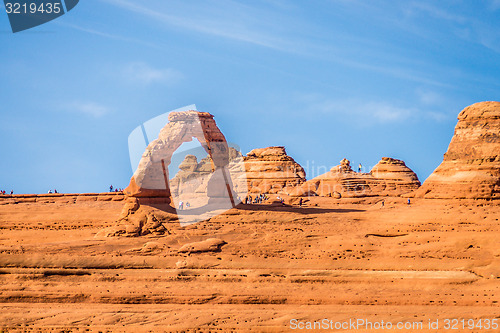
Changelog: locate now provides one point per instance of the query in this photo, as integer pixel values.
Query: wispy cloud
(467, 27)
(367, 113)
(140, 72)
(363, 112)
(427, 97)
(88, 108)
(109, 35)
(436, 12)
(266, 28)
(237, 26)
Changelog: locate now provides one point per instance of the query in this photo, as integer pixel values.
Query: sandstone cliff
(471, 166)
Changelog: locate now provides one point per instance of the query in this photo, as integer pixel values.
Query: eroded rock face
(390, 177)
(271, 170)
(471, 166)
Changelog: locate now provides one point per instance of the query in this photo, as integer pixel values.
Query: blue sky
(325, 79)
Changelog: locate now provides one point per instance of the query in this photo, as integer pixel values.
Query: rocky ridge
(389, 177)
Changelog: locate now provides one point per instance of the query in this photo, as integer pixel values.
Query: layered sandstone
(271, 170)
(471, 166)
(390, 177)
(393, 177)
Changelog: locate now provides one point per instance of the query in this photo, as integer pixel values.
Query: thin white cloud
(384, 112)
(244, 23)
(238, 27)
(427, 97)
(140, 72)
(437, 12)
(368, 112)
(108, 35)
(285, 31)
(88, 108)
(363, 112)
(467, 28)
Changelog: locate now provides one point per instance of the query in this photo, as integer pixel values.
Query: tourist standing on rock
(383, 203)
(111, 188)
(408, 202)
(360, 167)
(300, 202)
(11, 192)
(181, 205)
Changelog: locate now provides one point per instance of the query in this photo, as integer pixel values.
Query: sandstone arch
(151, 179)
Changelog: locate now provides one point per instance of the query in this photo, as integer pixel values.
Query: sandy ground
(339, 260)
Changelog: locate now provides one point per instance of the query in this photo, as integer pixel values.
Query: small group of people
(50, 191)
(181, 205)
(112, 189)
(4, 193)
(258, 199)
(408, 202)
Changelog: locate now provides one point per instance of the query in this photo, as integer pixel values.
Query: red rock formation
(151, 178)
(389, 177)
(471, 166)
(340, 181)
(271, 170)
(393, 177)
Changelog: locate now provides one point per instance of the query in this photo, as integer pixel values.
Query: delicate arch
(151, 179)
